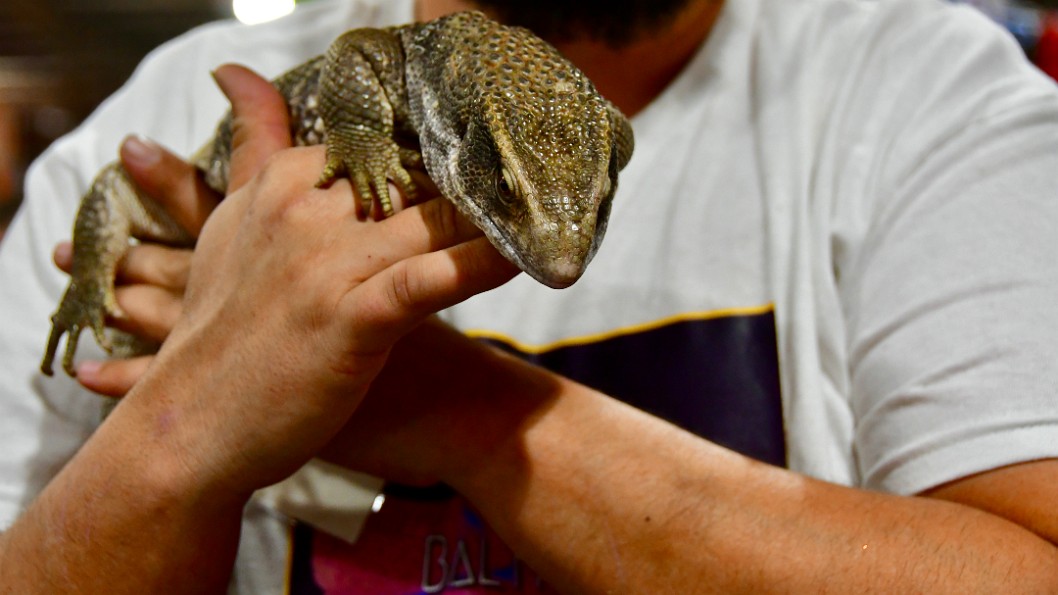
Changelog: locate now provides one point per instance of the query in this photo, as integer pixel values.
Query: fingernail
(63, 254)
(87, 371)
(222, 78)
(141, 151)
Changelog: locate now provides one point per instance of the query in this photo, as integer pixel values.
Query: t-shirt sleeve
(948, 270)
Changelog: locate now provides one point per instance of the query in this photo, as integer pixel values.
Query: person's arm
(126, 515)
(599, 497)
(596, 496)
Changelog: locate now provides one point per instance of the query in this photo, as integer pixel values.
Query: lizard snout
(566, 248)
(561, 273)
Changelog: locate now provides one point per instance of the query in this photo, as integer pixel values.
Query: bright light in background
(259, 11)
(377, 504)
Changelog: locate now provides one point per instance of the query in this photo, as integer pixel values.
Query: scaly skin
(512, 133)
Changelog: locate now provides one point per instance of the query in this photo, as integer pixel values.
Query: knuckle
(400, 287)
(172, 171)
(170, 314)
(403, 288)
(286, 168)
(272, 167)
(174, 268)
(442, 219)
(157, 267)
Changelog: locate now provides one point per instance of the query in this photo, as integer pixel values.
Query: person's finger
(170, 181)
(393, 301)
(260, 121)
(154, 264)
(63, 256)
(427, 227)
(148, 312)
(112, 378)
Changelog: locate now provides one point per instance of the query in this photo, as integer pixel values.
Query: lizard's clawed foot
(83, 306)
(370, 160)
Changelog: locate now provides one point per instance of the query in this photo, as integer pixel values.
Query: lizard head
(536, 167)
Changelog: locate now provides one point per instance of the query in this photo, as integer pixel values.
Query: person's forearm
(124, 516)
(598, 497)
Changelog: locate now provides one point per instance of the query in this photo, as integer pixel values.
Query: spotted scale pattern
(512, 133)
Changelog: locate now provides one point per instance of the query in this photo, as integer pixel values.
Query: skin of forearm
(599, 497)
(126, 515)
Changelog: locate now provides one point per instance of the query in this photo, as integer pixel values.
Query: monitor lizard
(511, 132)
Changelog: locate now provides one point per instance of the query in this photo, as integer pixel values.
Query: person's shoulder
(869, 13)
(878, 51)
(913, 24)
(847, 25)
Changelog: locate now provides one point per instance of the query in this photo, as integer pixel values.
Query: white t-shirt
(834, 248)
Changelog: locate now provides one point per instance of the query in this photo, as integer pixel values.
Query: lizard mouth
(560, 274)
(556, 267)
(552, 258)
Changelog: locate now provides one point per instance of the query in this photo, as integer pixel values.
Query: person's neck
(632, 76)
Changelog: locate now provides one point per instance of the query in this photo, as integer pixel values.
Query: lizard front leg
(111, 213)
(362, 100)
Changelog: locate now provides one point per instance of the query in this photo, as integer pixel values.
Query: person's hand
(292, 305)
(442, 404)
(151, 277)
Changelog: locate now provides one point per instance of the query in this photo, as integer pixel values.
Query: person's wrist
(488, 444)
(178, 458)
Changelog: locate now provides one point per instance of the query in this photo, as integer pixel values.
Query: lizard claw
(370, 161)
(81, 308)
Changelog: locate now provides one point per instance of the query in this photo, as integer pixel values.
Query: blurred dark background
(60, 58)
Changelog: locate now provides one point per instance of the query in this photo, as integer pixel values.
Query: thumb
(260, 121)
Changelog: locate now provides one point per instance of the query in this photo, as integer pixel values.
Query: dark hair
(615, 22)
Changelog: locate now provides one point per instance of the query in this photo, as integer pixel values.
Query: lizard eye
(505, 185)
